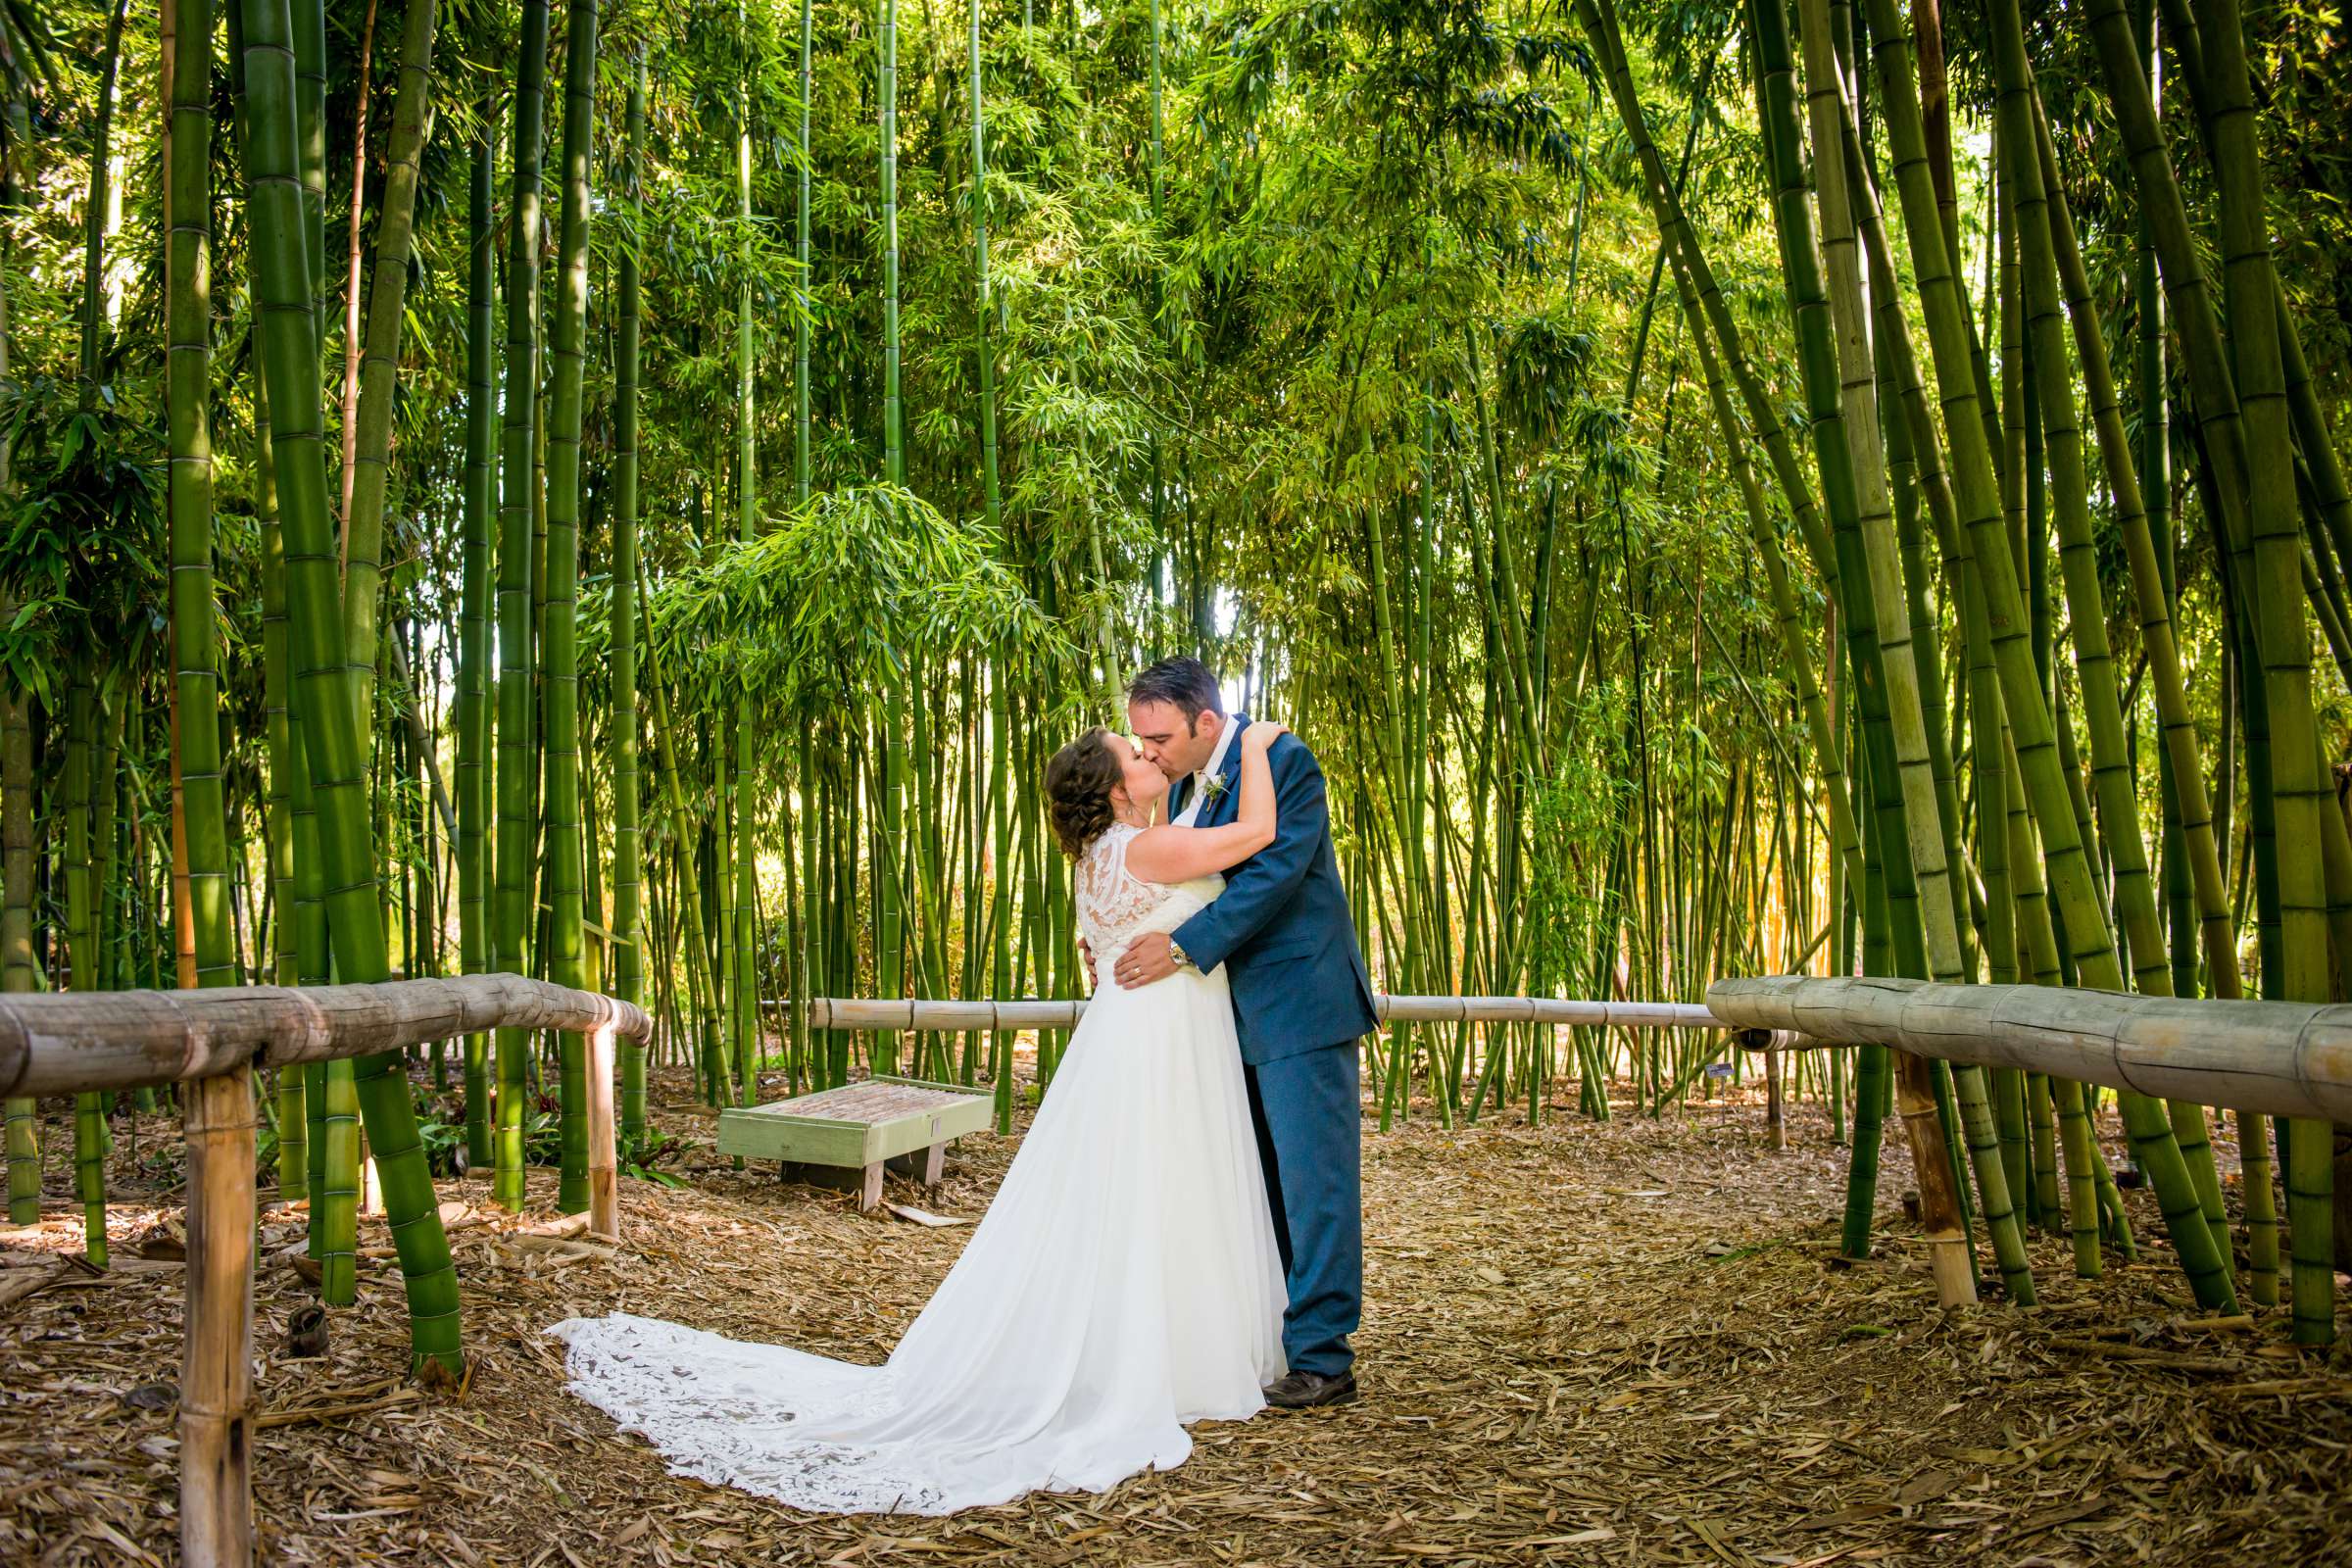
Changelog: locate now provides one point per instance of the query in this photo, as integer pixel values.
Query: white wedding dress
(1124, 1281)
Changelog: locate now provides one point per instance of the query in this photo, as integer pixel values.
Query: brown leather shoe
(1304, 1390)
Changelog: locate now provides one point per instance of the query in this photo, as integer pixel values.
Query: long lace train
(1124, 1281)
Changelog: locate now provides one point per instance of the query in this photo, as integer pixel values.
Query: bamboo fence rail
(56, 1043)
(868, 1013)
(82, 1041)
(2282, 1059)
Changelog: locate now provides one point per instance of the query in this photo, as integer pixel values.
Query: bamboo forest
(556, 564)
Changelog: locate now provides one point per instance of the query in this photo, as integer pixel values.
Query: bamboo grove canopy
(632, 497)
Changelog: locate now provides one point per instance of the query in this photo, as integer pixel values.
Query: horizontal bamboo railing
(868, 1013)
(211, 1041)
(2282, 1059)
(60, 1042)
(2277, 1058)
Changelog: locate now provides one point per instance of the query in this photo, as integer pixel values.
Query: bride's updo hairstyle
(1078, 785)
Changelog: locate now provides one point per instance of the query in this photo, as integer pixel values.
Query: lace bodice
(1114, 906)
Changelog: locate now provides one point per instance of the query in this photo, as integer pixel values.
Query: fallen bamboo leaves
(1583, 1343)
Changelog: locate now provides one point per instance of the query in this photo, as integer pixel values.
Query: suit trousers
(1307, 1111)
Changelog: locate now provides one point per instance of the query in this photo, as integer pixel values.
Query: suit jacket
(1281, 928)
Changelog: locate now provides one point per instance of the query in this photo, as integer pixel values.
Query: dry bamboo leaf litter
(1583, 1343)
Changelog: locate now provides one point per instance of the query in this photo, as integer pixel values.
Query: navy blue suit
(1301, 1001)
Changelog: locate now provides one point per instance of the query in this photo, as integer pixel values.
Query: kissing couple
(1180, 1237)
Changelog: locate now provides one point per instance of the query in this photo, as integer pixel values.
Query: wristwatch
(1176, 954)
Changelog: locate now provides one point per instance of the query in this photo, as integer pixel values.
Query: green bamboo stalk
(473, 705)
(2111, 775)
(2043, 1122)
(16, 969)
(18, 972)
(566, 942)
(2315, 442)
(82, 956)
(800, 318)
(379, 364)
(1976, 493)
(2300, 789)
(812, 949)
(309, 21)
(744, 992)
(332, 1215)
(294, 1103)
(629, 929)
(744, 1021)
(336, 1195)
(698, 947)
(894, 455)
(1874, 1078)
(108, 787)
(1921, 812)
(321, 694)
(2189, 806)
(2189, 300)
(511, 912)
(203, 800)
(2153, 476)
(1902, 468)
(2201, 901)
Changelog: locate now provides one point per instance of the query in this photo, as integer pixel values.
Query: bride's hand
(1261, 735)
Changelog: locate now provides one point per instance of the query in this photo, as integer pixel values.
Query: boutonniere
(1212, 790)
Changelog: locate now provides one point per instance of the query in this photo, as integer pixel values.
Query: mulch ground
(1615, 1343)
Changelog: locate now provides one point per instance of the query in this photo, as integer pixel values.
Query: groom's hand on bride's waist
(1147, 958)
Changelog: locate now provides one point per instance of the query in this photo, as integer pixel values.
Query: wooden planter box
(845, 1136)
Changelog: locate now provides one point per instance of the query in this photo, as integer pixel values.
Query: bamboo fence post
(216, 1383)
(603, 1183)
(209, 1042)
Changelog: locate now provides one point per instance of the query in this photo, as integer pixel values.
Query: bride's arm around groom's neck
(1256, 890)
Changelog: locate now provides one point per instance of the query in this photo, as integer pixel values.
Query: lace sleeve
(1112, 903)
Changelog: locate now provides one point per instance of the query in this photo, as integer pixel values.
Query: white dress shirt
(1190, 814)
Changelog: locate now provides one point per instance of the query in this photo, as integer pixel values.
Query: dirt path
(1608, 1343)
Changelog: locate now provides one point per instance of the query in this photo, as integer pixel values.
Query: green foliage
(1389, 412)
(834, 597)
(80, 541)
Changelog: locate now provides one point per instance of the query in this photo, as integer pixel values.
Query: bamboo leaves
(833, 595)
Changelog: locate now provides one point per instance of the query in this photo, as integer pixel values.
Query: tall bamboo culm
(1977, 492)
(2301, 796)
(567, 955)
(474, 706)
(628, 934)
(218, 1112)
(322, 696)
(511, 915)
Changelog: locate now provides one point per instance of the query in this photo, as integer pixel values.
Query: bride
(1124, 1281)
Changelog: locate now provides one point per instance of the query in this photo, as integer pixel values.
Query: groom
(1301, 999)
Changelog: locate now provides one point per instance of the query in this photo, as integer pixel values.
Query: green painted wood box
(846, 1135)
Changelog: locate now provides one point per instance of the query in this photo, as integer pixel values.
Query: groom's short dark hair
(1185, 682)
